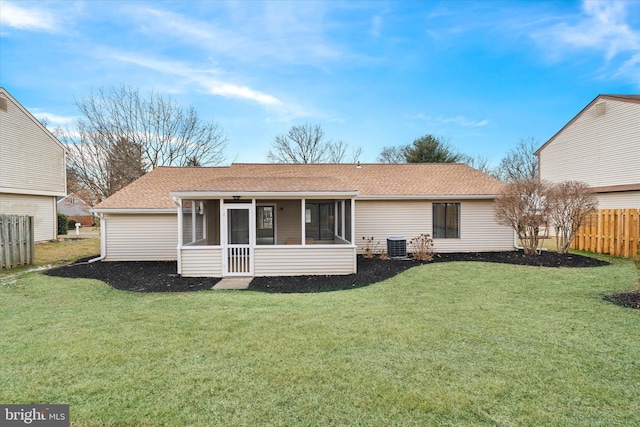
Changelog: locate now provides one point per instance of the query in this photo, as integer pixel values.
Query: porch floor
(233, 283)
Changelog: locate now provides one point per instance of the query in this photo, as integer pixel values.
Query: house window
(446, 220)
(319, 221)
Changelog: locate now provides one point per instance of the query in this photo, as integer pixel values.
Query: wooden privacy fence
(16, 241)
(610, 231)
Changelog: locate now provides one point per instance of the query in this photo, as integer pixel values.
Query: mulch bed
(160, 276)
(136, 276)
(629, 299)
(372, 270)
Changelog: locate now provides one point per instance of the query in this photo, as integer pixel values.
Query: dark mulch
(136, 276)
(158, 276)
(371, 270)
(629, 299)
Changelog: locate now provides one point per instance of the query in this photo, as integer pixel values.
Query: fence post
(16, 241)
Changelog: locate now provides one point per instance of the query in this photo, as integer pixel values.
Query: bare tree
(523, 206)
(307, 144)
(480, 163)
(520, 162)
(397, 154)
(570, 205)
(119, 125)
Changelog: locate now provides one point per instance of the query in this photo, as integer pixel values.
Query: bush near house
(63, 224)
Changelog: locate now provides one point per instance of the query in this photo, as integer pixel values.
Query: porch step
(233, 283)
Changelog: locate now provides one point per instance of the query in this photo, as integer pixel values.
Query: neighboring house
(32, 168)
(285, 219)
(599, 146)
(76, 208)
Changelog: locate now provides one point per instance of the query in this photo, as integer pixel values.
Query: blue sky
(373, 74)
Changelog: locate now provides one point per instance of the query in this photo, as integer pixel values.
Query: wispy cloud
(205, 78)
(601, 27)
(23, 18)
(209, 81)
(52, 120)
(376, 26)
(457, 120)
(264, 34)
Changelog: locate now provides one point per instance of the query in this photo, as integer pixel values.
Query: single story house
(296, 219)
(76, 209)
(599, 146)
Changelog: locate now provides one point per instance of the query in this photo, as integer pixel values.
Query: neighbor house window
(446, 220)
(319, 221)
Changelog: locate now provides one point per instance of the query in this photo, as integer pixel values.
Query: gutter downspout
(515, 241)
(103, 240)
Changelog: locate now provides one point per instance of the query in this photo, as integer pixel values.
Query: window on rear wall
(446, 220)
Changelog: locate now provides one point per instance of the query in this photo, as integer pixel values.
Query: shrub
(422, 247)
(522, 205)
(63, 224)
(370, 246)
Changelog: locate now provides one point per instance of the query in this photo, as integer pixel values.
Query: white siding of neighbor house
(41, 208)
(479, 230)
(295, 261)
(201, 262)
(30, 160)
(141, 237)
(599, 150)
(621, 200)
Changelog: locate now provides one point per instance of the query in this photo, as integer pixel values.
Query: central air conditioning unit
(397, 247)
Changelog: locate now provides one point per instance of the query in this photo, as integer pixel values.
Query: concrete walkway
(233, 283)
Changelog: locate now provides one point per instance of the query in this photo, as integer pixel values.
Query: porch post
(223, 238)
(342, 220)
(204, 221)
(303, 206)
(353, 234)
(193, 221)
(353, 221)
(180, 239)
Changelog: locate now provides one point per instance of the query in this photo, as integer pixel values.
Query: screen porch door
(239, 239)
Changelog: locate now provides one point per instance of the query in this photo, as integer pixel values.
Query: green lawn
(461, 344)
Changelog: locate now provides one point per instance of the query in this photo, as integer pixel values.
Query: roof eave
(134, 210)
(200, 195)
(428, 197)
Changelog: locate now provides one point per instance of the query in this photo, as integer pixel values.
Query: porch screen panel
(319, 224)
(238, 230)
(265, 230)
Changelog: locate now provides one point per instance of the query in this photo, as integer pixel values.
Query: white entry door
(239, 240)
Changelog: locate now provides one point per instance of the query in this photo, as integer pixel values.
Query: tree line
(121, 134)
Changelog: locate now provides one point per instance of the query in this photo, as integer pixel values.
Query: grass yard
(61, 252)
(461, 344)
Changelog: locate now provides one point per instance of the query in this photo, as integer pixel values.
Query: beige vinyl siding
(600, 151)
(288, 219)
(381, 219)
(275, 261)
(30, 160)
(141, 237)
(201, 262)
(621, 200)
(479, 230)
(41, 208)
